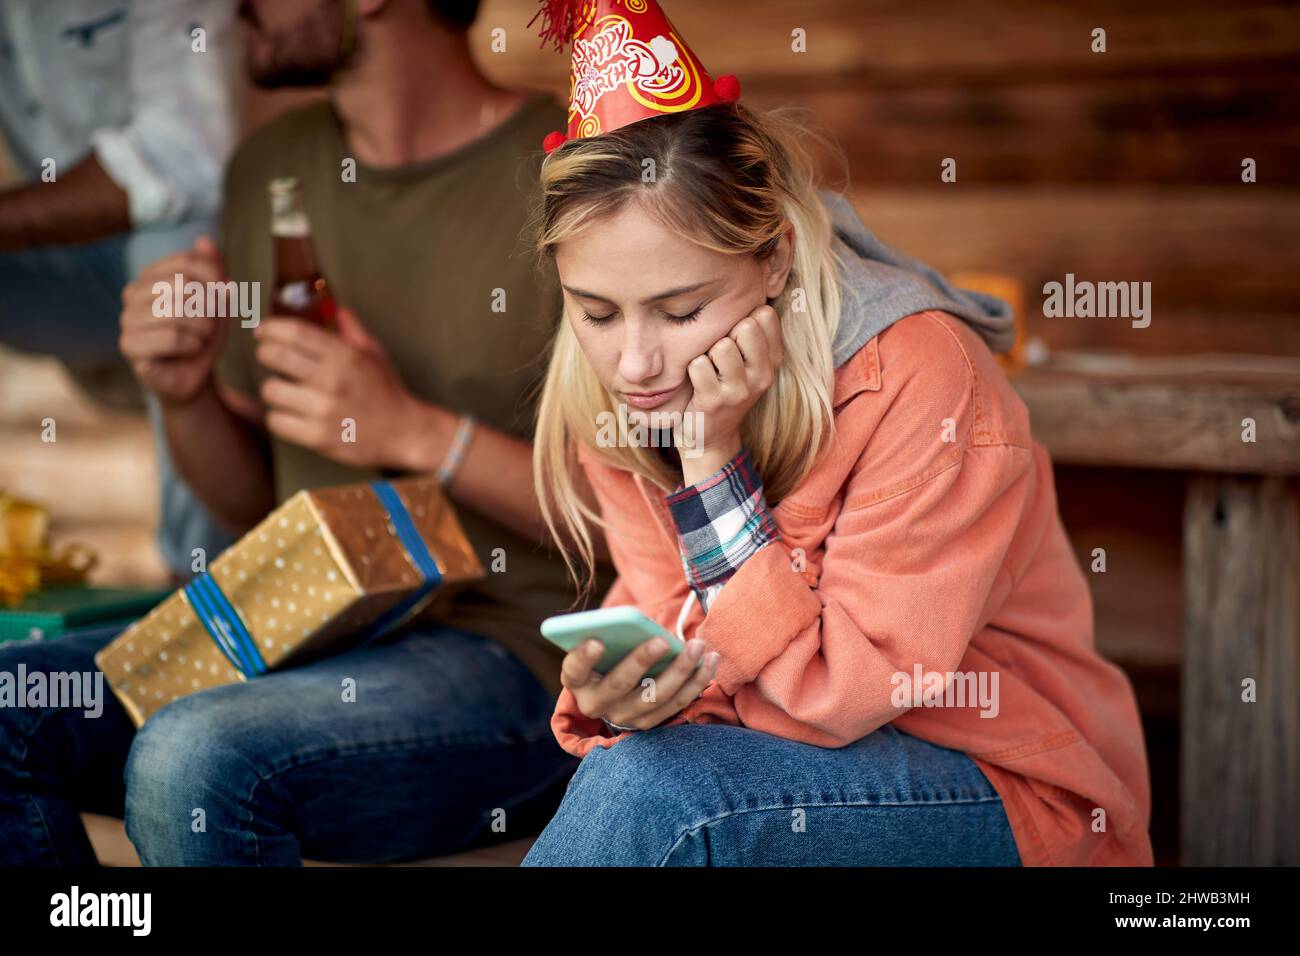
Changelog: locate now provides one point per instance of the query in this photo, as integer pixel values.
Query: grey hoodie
(881, 286)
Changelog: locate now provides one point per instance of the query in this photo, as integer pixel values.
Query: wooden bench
(1241, 567)
(113, 848)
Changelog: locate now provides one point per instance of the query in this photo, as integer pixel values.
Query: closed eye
(669, 316)
(683, 319)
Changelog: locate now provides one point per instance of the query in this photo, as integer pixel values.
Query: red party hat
(629, 64)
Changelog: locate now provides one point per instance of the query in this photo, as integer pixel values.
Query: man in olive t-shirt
(431, 257)
(425, 741)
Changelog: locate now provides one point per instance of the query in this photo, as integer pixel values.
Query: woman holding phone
(889, 653)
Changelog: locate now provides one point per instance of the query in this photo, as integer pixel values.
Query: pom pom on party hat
(629, 64)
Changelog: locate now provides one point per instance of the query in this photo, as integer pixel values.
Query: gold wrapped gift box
(324, 569)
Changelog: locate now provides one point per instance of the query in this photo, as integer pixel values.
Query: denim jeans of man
(65, 301)
(443, 743)
(716, 795)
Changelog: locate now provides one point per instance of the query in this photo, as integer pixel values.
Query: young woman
(890, 656)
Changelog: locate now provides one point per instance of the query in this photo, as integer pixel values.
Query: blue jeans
(715, 795)
(448, 738)
(65, 301)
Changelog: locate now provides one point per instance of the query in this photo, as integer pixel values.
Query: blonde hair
(734, 181)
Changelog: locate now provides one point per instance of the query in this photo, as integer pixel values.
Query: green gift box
(55, 610)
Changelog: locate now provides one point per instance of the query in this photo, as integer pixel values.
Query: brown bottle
(300, 290)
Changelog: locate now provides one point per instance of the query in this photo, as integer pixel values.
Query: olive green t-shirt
(422, 253)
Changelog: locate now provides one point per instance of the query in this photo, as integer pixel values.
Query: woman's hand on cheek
(728, 380)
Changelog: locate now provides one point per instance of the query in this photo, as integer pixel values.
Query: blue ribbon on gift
(220, 619)
(416, 550)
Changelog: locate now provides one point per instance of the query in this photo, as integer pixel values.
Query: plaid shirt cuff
(721, 522)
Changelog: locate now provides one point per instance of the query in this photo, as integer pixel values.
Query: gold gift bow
(26, 562)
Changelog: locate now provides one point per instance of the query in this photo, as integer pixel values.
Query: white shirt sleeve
(170, 156)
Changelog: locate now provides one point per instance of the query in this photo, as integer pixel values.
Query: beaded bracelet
(456, 453)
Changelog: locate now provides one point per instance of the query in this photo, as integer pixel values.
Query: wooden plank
(128, 554)
(1136, 517)
(1135, 125)
(1089, 420)
(877, 43)
(1241, 760)
(1213, 253)
(1137, 603)
(1152, 129)
(109, 840)
(1191, 370)
(114, 848)
(33, 388)
(95, 473)
(1186, 331)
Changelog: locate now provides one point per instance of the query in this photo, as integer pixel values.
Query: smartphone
(621, 629)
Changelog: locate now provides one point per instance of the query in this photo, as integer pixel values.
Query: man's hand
(323, 380)
(618, 696)
(172, 356)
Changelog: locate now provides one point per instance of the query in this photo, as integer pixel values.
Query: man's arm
(218, 447)
(81, 205)
(495, 477)
(223, 457)
(162, 166)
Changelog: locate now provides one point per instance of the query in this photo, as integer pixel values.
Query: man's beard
(304, 53)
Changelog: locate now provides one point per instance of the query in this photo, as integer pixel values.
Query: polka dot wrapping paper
(313, 578)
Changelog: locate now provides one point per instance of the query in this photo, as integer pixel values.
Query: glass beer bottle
(300, 290)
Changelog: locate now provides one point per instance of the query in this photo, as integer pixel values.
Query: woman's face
(645, 301)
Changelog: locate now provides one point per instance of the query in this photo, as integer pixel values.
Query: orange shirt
(927, 537)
